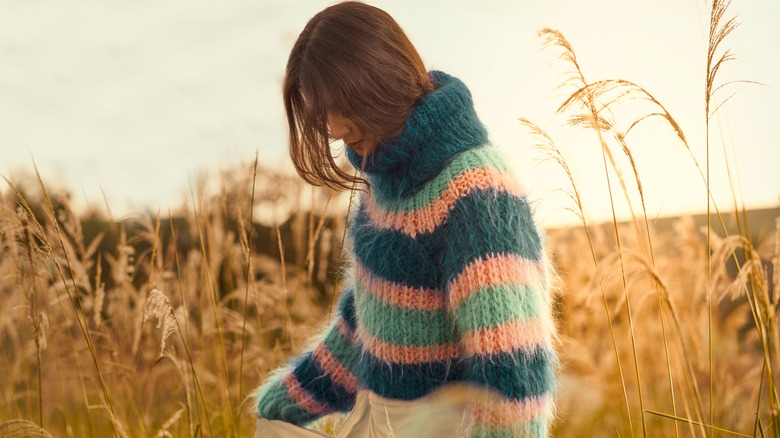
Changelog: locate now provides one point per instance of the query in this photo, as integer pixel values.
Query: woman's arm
(319, 381)
(498, 291)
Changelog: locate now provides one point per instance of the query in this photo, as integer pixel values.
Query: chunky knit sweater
(449, 283)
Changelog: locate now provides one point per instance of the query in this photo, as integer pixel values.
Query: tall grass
(594, 106)
(74, 297)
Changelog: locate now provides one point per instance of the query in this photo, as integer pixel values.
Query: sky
(136, 99)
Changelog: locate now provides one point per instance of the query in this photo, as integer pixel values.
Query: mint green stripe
(401, 326)
(341, 348)
(485, 156)
(282, 398)
(530, 429)
(485, 431)
(274, 402)
(494, 305)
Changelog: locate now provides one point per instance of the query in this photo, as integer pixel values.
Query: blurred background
(139, 99)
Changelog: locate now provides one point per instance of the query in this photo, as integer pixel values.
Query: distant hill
(761, 222)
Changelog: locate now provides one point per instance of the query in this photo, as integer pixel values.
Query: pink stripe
(303, 398)
(405, 354)
(345, 330)
(427, 218)
(524, 334)
(494, 270)
(335, 369)
(510, 413)
(399, 295)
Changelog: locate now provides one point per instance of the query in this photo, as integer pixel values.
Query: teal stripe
(530, 429)
(485, 156)
(402, 326)
(341, 348)
(495, 305)
(275, 403)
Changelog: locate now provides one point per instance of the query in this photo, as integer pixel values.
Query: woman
(445, 326)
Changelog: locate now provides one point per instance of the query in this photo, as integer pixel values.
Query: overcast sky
(139, 97)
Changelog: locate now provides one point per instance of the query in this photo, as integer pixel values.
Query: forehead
(313, 102)
(320, 97)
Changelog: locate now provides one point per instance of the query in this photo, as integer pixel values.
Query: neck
(442, 125)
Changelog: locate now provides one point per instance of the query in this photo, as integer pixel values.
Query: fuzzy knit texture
(449, 283)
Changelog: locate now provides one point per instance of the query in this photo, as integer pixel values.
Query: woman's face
(342, 128)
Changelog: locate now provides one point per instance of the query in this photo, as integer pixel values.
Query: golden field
(149, 327)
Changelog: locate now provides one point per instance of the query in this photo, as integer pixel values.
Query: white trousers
(438, 414)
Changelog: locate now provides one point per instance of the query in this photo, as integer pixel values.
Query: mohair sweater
(449, 283)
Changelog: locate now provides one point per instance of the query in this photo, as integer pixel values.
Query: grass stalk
(47, 250)
(337, 278)
(148, 288)
(33, 311)
(546, 144)
(756, 423)
(186, 339)
(248, 280)
(285, 333)
(625, 286)
(198, 386)
(688, 420)
(215, 313)
(76, 300)
(621, 138)
(592, 119)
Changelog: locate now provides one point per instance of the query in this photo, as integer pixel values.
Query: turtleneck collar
(439, 127)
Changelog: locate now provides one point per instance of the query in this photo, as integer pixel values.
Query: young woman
(444, 328)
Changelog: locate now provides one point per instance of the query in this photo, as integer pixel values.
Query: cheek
(353, 127)
(333, 123)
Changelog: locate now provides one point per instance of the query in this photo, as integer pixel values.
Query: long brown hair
(355, 60)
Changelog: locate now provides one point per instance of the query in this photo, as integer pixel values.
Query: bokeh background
(138, 98)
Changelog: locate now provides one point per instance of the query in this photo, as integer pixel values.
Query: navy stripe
(346, 308)
(487, 222)
(277, 405)
(406, 381)
(516, 374)
(321, 386)
(394, 256)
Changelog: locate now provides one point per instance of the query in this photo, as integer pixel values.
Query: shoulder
(480, 168)
(481, 187)
(489, 216)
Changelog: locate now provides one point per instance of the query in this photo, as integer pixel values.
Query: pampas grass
(72, 300)
(681, 339)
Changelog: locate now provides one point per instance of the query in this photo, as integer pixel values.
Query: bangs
(307, 102)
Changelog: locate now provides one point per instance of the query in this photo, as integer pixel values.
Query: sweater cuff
(506, 418)
(274, 401)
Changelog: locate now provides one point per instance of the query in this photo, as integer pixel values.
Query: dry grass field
(149, 327)
(162, 324)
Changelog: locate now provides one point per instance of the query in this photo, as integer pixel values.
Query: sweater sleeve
(497, 287)
(319, 381)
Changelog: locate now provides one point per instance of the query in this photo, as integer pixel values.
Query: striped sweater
(449, 283)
